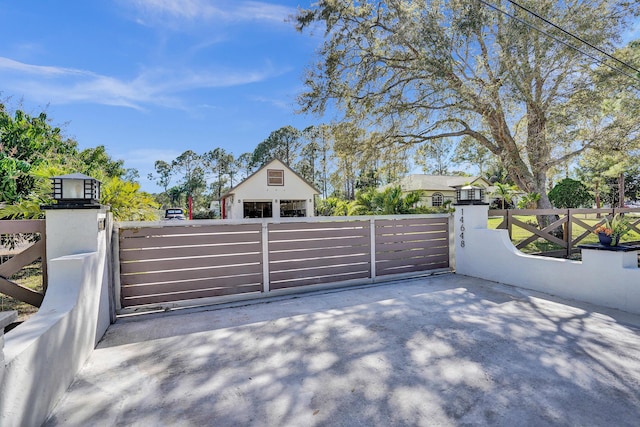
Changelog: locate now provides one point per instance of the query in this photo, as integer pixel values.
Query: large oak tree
(420, 70)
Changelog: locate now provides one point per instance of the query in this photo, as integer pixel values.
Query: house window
(293, 208)
(437, 199)
(275, 177)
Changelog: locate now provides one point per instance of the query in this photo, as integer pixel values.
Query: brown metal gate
(169, 263)
(173, 263)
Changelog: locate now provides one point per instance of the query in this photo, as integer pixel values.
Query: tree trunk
(621, 190)
(597, 195)
(544, 203)
(545, 220)
(539, 154)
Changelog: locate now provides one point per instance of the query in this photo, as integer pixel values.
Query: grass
(519, 234)
(31, 277)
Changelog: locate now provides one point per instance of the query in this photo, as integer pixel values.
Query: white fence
(43, 354)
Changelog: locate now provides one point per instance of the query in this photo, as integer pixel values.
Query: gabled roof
(437, 182)
(283, 164)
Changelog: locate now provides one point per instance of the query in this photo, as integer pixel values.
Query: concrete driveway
(442, 350)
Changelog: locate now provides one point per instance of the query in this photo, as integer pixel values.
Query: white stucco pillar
(79, 231)
(475, 216)
(467, 219)
(74, 231)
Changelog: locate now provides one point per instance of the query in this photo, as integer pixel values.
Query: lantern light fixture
(75, 191)
(470, 195)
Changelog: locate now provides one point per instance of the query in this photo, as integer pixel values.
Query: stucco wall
(43, 354)
(6, 318)
(610, 279)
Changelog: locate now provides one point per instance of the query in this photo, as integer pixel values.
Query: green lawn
(519, 234)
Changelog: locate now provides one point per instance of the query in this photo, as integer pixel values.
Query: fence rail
(168, 262)
(25, 253)
(576, 225)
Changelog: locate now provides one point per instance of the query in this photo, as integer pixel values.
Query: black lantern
(76, 191)
(470, 195)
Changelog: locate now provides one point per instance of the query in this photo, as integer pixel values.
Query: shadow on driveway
(442, 350)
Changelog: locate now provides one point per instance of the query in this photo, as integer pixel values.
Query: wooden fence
(166, 263)
(18, 259)
(576, 224)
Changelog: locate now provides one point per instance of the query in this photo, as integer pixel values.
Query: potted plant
(610, 232)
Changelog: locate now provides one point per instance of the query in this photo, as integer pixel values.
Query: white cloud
(254, 10)
(157, 86)
(188, 9)
(278, 103)
(175, 12)
(206, 43)
(40, 70)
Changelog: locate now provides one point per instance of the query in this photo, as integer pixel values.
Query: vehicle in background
(174, 214)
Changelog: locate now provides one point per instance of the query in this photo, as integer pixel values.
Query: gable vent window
(275, 177)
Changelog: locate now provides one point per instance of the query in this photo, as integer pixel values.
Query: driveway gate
(162, 264)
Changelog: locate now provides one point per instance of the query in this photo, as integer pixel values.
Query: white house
(274, 191)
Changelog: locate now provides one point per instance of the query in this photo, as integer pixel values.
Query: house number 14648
(462, 228)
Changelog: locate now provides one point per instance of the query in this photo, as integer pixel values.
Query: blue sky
(150, 79)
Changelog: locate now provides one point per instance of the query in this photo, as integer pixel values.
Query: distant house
(440, 189)
(274, 191)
